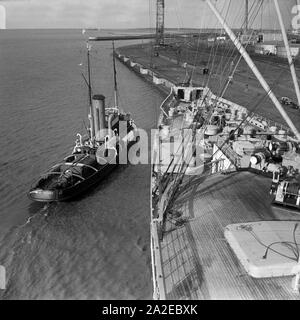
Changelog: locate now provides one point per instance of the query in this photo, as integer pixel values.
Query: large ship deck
(197, 261)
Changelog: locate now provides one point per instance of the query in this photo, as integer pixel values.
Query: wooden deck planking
(197, 261)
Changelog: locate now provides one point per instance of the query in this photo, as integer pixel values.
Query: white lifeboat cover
(250, 241)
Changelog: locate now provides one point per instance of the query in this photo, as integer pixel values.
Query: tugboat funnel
(99, 116)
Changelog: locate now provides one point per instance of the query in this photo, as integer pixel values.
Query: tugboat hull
(44, 195)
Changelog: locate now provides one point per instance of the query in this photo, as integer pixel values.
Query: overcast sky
(132, 13)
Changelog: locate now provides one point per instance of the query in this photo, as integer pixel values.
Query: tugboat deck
(197, 261)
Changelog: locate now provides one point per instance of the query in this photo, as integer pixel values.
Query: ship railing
(164, 107)
(271, 123)
(166, 185)
(156, 227)
(255, 116)
(61, 174)
(46, 175)
(81, 165)
(169, 181)
(159, 290)
(207, 173)
(71, 165)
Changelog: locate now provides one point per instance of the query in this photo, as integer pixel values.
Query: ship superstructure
(225, 197)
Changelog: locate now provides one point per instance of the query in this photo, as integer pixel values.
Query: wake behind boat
(94, 155)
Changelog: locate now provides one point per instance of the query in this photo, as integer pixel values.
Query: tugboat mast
(89, 73)
(91, 115)
(115, 78)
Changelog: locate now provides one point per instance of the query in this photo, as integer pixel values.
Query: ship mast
(89, 74)
(115, 79)
(288, 52)
(254, 69)
(246, 16)
(91, 115)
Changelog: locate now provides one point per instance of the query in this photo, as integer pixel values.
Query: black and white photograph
(150, 151)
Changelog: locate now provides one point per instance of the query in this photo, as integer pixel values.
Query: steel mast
(160, 21)
(254, 69)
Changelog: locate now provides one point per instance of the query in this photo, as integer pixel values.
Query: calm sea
(96, 247)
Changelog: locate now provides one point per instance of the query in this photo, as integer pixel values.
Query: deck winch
(287, 193)
(280, 148)
(260, 157)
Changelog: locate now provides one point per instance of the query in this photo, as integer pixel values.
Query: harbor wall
(164, 85)
(154, 78)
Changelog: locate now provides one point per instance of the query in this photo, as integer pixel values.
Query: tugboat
(94, 155)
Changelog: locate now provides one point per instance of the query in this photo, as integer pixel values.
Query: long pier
(142, 36)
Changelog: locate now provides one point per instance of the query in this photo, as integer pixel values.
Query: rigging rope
(185, 165)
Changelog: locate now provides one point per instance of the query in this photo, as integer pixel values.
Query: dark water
(96, 247)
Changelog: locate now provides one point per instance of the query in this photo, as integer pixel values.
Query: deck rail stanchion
(159, 292)
(296, 279)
